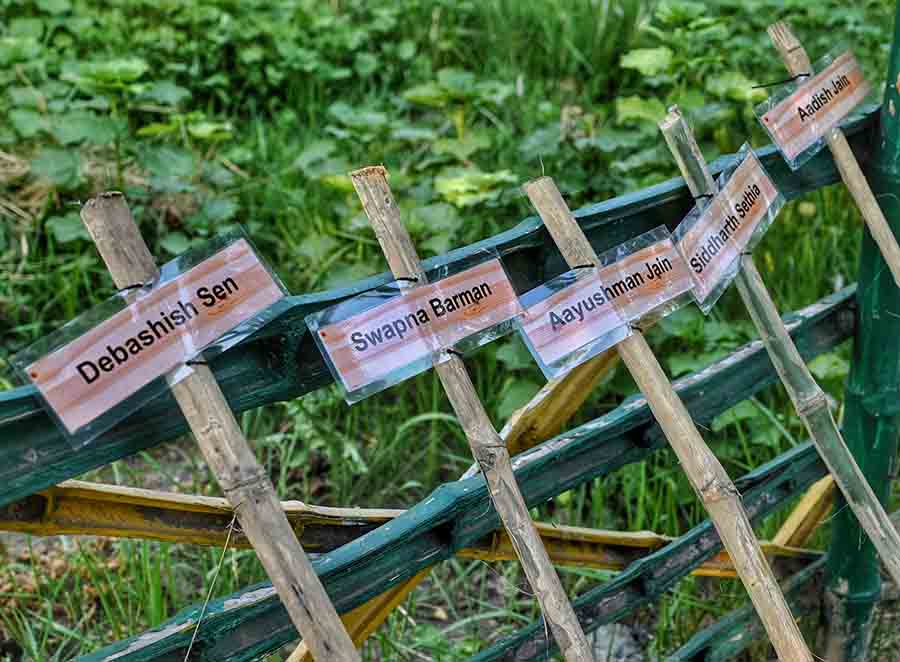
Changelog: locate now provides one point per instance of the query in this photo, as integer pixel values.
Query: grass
(208, 113)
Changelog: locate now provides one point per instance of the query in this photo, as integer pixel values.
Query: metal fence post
(872, 398)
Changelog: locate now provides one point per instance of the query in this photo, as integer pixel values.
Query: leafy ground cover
(210, 112)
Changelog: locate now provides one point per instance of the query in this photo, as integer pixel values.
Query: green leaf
(314, 152)
(743, 411)
(26, 122)
(175, 243)
(458, 83)
(648, 61)
(219, 209)
(639, 109)
(541, 142)
(60, 166)
(462, 148)
(829, 366)
(612, 140)
(438, 216)
(514, 355)
(516, 395)
(316, 247)
(406, 49)
(735, 86)
(85, 126)
(358, 118)
(54, 6)
(438, 244)
(365, 64)
(167, 161)
(427, 94)
(111, 71)
(413, 134)
(465, 187)
(67, 228)
(167, 93)
(210, 131)
(18, 49)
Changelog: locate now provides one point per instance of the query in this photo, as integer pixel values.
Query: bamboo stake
(797, 62)
(244, 481)
(538, 420)
(808, 398)
(489, 450)
(708, 477)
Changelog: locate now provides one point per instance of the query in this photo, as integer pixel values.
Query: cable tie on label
(747, 253)
(584, 266)
(136, 286)
(635, 328)
(196, 362)
(780, 82)
(453, 352)
(409, 279)
(704, 195)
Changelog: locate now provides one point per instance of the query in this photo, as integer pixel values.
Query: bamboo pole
(538, 420)
(797, 62)
(807, 397)
(244, 481)
(489, 450)
(708, 477)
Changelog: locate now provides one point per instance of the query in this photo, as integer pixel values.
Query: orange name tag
(726, 226)
(373, 344)
(571, 318)
(816, 106)
(646, 279)
(152, 335)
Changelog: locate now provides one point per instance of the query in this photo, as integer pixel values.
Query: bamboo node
(718, 489)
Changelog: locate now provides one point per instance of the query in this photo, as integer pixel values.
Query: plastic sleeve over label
(569, 320)
(735, 220)
(400, 336)
(582, 312)
(159, 329)
(798, 121)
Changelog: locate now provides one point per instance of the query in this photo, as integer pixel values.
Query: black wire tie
(780, 82)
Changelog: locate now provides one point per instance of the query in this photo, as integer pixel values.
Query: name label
(726, 226)
(570, 319)
(816, 106)
(154, 334)
(367, 347)
(646, 279)
(602, 302)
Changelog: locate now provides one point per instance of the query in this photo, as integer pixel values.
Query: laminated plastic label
(395, 331)
(579, 314)
(569, 320)
(733, 222)
(646, 278)
(110, 361)
(798, 115)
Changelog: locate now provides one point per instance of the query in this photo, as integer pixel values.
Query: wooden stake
(244, 481)
(708, 477)
(808, 398)
(797, 62)
(489, 450)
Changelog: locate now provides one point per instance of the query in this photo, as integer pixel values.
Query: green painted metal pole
(872, 398)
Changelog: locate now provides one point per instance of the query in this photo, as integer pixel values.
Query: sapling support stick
(709, 479)
(807, 397)
(221, 440)
(797, 62)
(488, 449)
